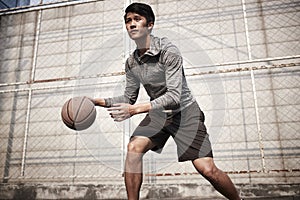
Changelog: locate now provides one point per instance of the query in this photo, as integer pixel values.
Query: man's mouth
(133, 31)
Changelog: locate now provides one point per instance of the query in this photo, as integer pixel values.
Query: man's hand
(121, 111)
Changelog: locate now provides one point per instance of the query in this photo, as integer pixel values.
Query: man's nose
(132, 25)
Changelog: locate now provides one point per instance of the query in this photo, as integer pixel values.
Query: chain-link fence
(242, 63)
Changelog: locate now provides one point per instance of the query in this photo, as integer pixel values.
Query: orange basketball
(78, 113)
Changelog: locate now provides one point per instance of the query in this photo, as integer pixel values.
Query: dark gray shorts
(186, 127)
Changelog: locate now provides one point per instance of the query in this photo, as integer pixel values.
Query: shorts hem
(209, 155)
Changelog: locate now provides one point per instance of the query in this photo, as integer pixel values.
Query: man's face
(136, 26)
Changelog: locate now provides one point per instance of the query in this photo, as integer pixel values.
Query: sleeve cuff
(108, 102)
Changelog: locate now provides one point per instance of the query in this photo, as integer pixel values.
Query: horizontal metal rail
(187, 68)
(221, 71)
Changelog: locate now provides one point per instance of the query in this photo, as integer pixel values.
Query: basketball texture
(78, 113)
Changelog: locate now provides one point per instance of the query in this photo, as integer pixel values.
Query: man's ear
(150, 26)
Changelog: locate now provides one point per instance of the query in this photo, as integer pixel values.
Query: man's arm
(99, 102)
(122, 111)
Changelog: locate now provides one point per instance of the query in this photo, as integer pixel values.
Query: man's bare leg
(220, 180)
(137, 147)
(133, 182)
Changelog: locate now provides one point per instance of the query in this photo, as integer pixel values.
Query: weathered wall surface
(158, 191)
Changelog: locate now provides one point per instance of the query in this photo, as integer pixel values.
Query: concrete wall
(158, 191)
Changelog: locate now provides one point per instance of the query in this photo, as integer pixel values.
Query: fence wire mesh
(242, 64)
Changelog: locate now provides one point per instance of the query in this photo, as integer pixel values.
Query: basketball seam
(88, 113)
(78, 110)
(86, 121)
(68, 113)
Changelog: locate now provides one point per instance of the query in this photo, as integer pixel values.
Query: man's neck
(143, 44)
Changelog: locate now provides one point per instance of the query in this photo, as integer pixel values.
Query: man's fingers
(119, 112)
(114, 109)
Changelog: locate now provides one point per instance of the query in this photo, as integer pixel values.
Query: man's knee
(133, 147)
(139, 145)
(206, 168)
(136, 149)
(209, 171)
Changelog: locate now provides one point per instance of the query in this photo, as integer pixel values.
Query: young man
(172, 110)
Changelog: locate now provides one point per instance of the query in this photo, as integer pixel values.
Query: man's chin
(134, 37)
(137, 37)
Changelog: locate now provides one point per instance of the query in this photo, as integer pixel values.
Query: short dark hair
(141, 9)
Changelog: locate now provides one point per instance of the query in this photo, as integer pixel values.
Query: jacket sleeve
(131, 90)
(173, 63)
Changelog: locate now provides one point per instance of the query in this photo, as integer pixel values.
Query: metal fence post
(32, 77)
(261, 146)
